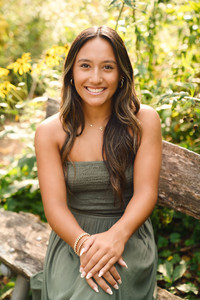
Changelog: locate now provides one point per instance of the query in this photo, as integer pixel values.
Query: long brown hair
(122, 133)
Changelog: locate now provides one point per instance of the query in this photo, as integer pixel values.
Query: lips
(95, 90)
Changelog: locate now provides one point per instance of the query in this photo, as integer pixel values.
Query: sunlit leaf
(112, 2)
(187, 287)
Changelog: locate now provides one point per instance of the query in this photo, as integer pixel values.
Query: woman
(87, 155)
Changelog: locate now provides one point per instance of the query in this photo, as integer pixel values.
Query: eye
(108, 67)
(85, 66)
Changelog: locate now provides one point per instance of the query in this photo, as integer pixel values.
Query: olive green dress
(91, 201)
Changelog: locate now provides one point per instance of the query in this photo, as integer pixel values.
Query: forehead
(96, 49)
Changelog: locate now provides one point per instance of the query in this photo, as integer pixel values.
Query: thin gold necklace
(99, 127)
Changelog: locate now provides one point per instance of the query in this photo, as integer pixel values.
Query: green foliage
(19, 190)
(8, 285)
(162, 38)
(178, 242)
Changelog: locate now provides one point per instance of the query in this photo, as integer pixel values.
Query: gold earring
(71, 81)
(121, 83)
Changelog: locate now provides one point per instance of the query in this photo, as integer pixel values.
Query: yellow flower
(3, 72)
(22, 65)
(170, 258)
(53, 55)
(5, 88)
(57, 50)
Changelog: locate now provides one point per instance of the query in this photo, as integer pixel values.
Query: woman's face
(96, 73)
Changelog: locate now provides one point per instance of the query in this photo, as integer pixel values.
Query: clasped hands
(98, 255)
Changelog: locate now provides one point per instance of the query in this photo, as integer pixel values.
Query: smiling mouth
(95, 91)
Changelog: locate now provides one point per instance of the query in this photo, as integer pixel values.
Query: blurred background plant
(163, 41)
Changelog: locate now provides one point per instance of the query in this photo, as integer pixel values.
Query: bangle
(78, 239)
(81, 244)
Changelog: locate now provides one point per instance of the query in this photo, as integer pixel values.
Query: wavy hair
(123, 131)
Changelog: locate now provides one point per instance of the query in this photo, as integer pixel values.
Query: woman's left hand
(101, 252)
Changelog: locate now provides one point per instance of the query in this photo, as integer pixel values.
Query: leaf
(167, 270)
(165, 253)
(128, 3)
(28, 161)
(187, 287)
(175, 237)
(112, 2)
(179, 271)
(146, 92)
(162, 242)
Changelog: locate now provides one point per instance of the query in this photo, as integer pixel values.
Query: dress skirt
(91, 200)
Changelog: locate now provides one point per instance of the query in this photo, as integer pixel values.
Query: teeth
(95, 90)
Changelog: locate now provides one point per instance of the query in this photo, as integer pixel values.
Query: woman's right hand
(110, 279)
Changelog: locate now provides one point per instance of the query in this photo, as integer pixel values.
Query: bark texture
(23, 242)
(165, 295)
(179, 186)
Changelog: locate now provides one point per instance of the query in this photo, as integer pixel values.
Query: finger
(87, 244)
(93, 259)
(89, 256)
(103, 265)
(122, 263)
(103, 284)
(113, 271)
(93, 285)
(110, 279)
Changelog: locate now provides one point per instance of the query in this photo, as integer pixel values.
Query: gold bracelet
(78, 239)
(81, 244)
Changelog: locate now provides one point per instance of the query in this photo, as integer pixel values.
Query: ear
(121, 82)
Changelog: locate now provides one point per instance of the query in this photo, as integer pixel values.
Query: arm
(108, 246)
(51, 180)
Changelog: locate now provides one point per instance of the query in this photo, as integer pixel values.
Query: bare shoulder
(50, 130)
(148, 117)
(50, 124)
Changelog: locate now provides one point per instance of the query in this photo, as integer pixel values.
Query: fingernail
(119, 281)
(125, 265)
(109, 291)
(80, 269)
(82, 251)
(100, 273)
(89, 275)
(83, 274)
(96, 289)
(116, 286)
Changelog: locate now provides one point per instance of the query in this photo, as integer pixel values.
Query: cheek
(79, 80)
(114, 84)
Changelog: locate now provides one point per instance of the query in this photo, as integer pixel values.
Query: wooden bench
(24, 238)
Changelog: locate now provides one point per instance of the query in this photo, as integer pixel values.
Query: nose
(96, 76)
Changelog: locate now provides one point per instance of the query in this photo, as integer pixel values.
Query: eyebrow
(105, 61)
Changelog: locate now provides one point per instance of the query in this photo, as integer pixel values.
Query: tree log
(165, 295)
(179, 186)
(23, 242)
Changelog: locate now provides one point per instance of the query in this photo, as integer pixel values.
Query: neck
(97, 116)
